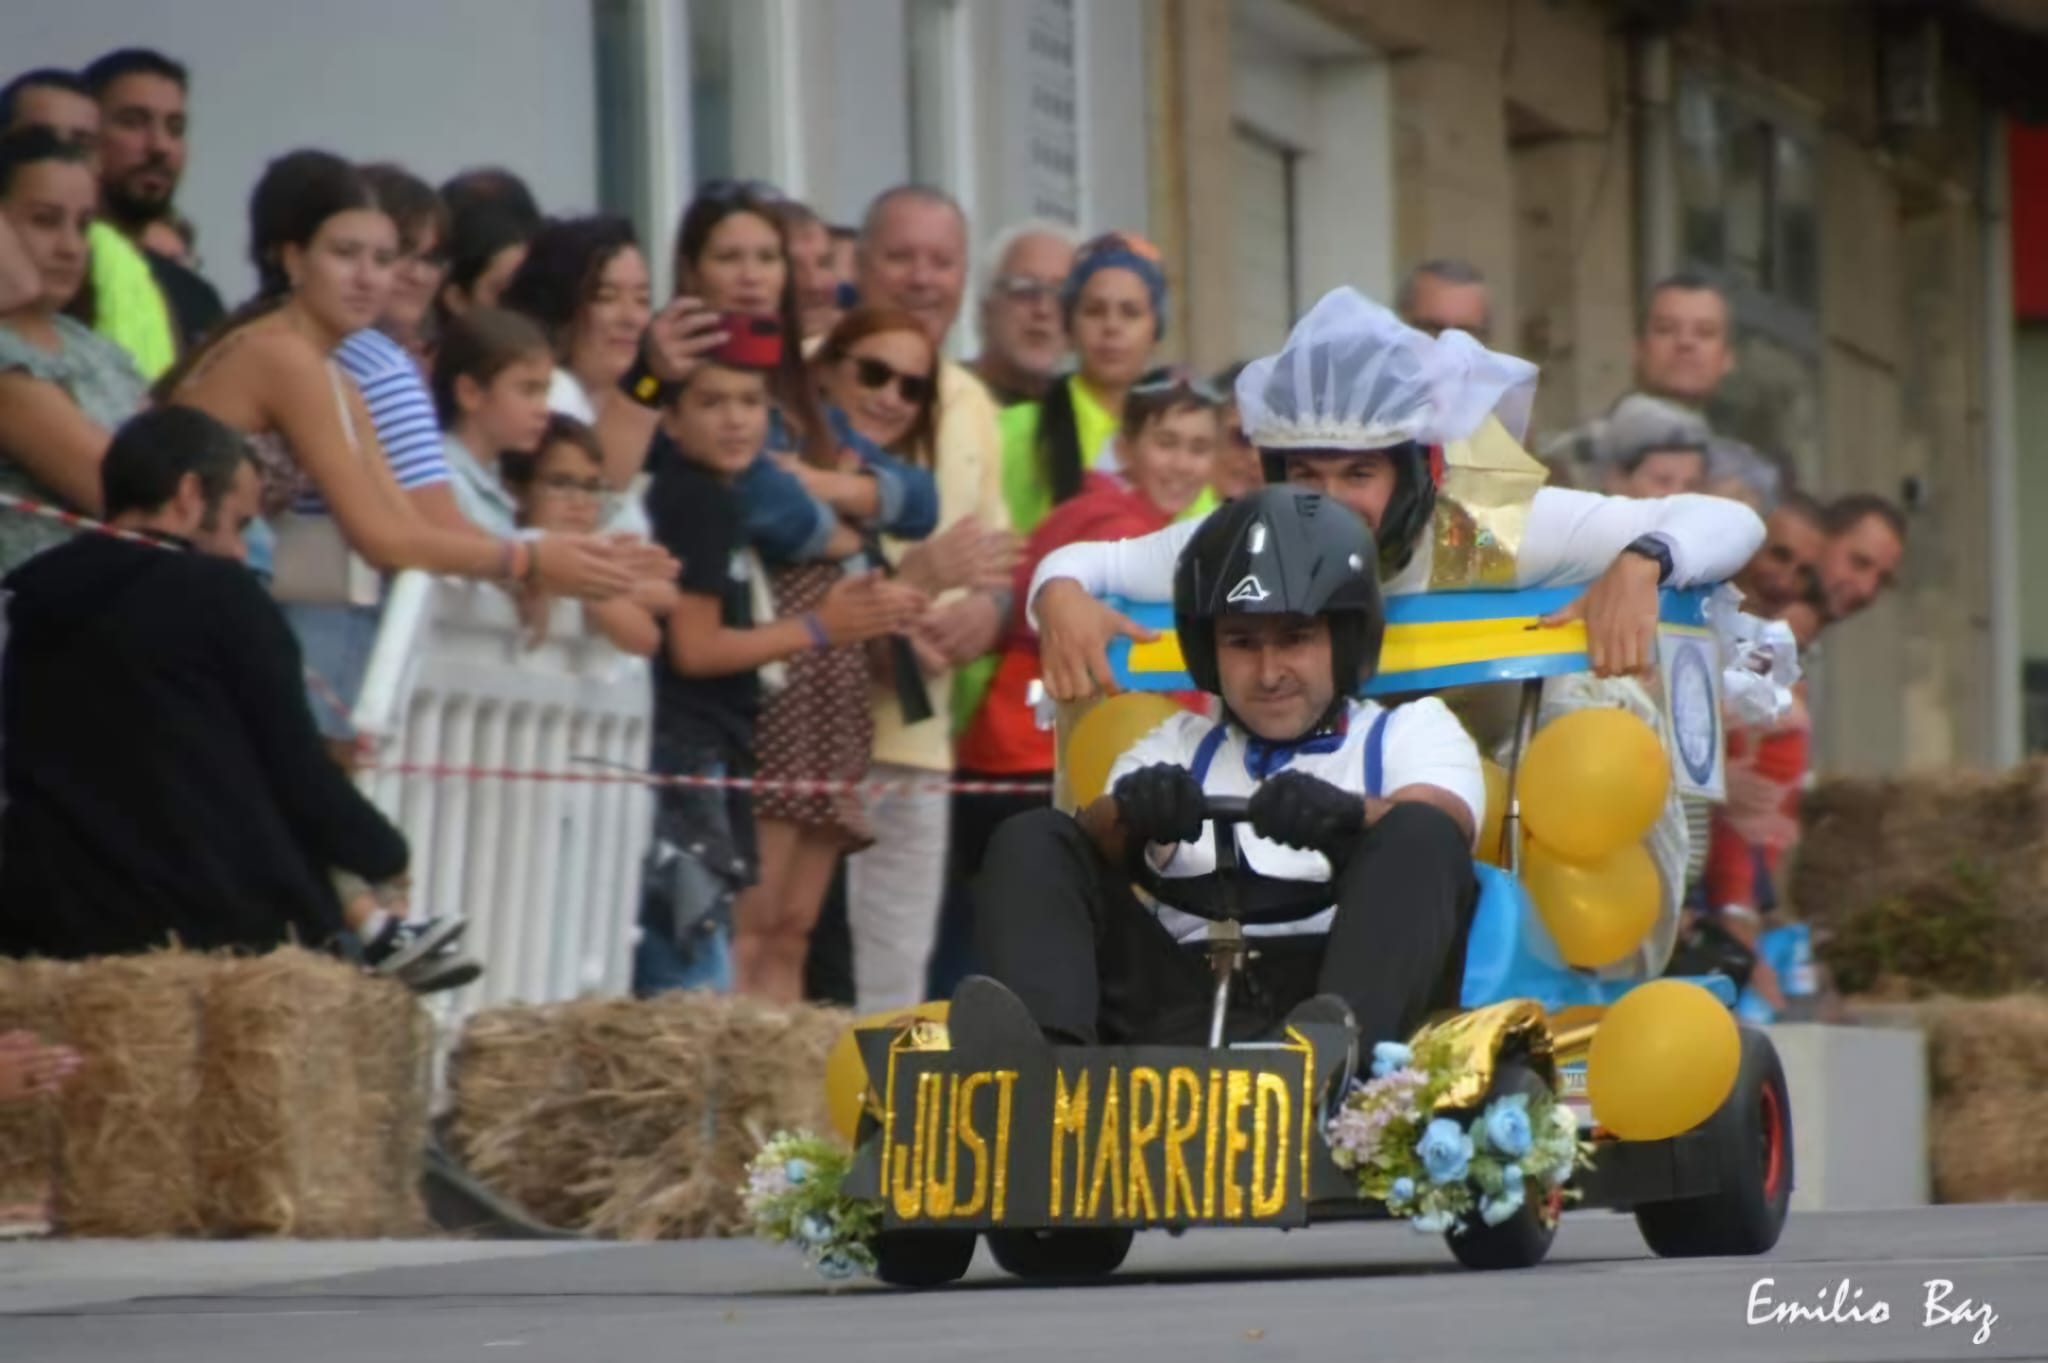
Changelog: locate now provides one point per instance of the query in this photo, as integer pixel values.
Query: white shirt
(1423, 744)
(567, 397)
(1571, 537)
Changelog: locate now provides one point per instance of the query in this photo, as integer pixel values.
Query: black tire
(1751, 1139)
(1060, 1253)
(1522, 1240)
(923, 1258)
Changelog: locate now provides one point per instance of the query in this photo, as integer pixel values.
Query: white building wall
(437, 86)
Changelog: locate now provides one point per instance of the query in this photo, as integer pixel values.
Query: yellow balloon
(1596, 914)
(1489, 850)
(1106, 733)
(1663, 1060)
(1593, 782)
(846, 1078)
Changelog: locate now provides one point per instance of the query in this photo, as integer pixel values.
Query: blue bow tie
(1262, 759)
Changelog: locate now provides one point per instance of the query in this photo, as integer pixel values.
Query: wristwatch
(1655, 548)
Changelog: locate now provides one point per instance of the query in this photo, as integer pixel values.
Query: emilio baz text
(1103, 1137)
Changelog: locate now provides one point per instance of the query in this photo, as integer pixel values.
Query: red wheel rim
(1773, 1119)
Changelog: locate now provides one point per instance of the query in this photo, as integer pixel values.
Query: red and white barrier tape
(315, 683)
(935, 785)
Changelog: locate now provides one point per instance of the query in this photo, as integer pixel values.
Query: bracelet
(508, 560)
(819, 638)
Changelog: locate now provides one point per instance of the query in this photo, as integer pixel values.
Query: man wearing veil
(1421, 436)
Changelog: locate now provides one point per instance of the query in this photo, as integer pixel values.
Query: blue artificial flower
(1403, 1189)
(1511, 1180)
(1507, 1125)
(1389, 1056)
(814, 1230)
(797, 1170)
(836, 1266)
(1445, 1151)
(1434, 1223)
(1495, 1210)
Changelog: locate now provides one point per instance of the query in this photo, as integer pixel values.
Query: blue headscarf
(1117, 251)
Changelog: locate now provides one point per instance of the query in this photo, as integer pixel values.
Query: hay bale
(125, 1167)
(1939, 879)
(28, 1131)
(1987, 1062)
(308, 1094)
(634, 1118)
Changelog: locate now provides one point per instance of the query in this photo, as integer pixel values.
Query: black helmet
(1281, 551)
(1406, 519)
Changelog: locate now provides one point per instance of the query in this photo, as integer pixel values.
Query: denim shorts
(337, 642)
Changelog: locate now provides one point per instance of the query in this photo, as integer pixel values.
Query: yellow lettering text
(1005, 1081)
(938, 1190)
(1145, 1081)
(1236, 1141)
(977, 1148)
(1212, 1118)
(1069, 1118)
(1109, 1154)
(1270, 1129)
(906, 1180)
(1183, 1120)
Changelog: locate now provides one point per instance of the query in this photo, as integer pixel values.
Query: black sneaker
(438, 973)
(405, 943)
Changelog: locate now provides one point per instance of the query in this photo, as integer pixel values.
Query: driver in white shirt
(1277, 607)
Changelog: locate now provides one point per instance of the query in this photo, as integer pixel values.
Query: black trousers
(1062, 930)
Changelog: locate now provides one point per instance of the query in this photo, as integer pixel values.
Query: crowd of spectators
(773, 484)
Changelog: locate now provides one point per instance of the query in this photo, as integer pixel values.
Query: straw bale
(634, 1118)
(125, 1167)
(1987, 1062)
(28, 1131)
(1940, 879)
(308, 1094)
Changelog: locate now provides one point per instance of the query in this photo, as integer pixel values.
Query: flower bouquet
(792, 1196)
(1436, 1171)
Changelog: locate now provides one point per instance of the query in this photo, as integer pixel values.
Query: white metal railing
(547, 872)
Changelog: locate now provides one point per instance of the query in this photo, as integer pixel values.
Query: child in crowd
(562, 487)
(1167, 446)
(708, 667)
(491, 378)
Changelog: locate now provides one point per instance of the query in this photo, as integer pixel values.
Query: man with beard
(142, 94)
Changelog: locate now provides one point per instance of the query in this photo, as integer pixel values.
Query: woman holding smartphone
(732, 257)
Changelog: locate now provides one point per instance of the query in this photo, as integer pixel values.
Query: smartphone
(751, 340)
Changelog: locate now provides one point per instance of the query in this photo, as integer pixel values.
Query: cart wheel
(1751, 1154)
(1060, 1253)
(923, 1258)
(1522, 1240)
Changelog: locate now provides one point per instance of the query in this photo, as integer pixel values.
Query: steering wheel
(1232, 892)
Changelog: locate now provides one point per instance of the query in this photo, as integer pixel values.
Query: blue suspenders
(1375, 754)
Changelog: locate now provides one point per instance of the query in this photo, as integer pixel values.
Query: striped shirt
(400, 409)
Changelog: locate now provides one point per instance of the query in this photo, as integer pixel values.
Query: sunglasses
(912, 388)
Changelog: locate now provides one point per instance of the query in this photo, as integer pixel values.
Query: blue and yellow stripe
(1433, 641)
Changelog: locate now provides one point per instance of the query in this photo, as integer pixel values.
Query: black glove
(1295, 809)
(1159, 803)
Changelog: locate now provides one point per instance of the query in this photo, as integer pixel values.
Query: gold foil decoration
(1236, 1140)
(1482, 510)
(977, 1148)
(1478, 1039)
(1005, 1081)
(1069, 1118)
(1109, 1155)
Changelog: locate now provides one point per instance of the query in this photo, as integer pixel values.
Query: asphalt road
(1331, 1293)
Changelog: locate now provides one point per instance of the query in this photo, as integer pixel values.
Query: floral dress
(98, 376)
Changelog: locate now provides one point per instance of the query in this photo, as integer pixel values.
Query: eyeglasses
(872, 373)
(1024, 288)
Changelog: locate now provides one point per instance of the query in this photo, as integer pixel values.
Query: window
(711, 96)
(1748, 196)
(1052, 127)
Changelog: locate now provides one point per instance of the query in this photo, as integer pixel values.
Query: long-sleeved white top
(1570, 537)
